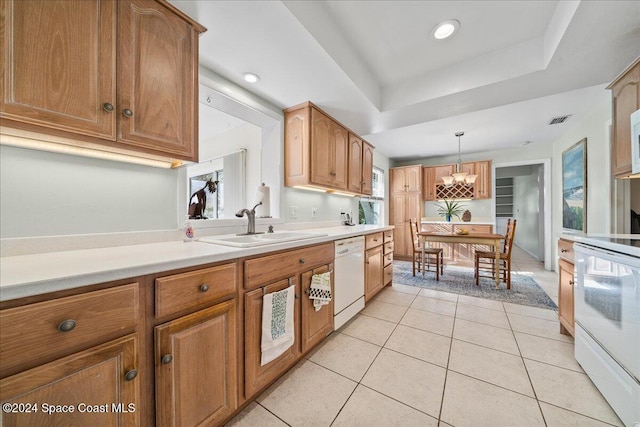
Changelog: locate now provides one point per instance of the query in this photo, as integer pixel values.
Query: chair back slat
(413, 226)
(509, 235)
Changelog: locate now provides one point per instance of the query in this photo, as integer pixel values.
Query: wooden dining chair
(484, 260)
(433, 256)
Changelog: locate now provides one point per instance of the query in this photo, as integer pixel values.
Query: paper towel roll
(263, 195)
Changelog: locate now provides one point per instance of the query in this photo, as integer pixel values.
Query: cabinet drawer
(388, 274)
(191, 289)
(372, 240)
(33, 335)
(267, 269)
(473, 229)
(388, 259)
(388, 247)
(388, 236)
(565, 250)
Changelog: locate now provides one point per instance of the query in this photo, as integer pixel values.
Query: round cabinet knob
(167, 358)
(204, 287)
(571, 282)
(67, 325)
(127, 112)
(563, 251)
(301, 261)
(129, 376)
(107, 107)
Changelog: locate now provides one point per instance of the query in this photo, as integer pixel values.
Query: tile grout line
(535, 394)
(446, 372)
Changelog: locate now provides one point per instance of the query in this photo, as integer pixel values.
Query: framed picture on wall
(574, 187)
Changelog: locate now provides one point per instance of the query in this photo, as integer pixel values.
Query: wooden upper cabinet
(321, 153)
(321, 149)
(355, 163)
(625, 92)
(482, 186)
(360, 165)
(157, 79)
(429, 184)
(367, 168)
(443, 170)
(122, 74)
(59, 62)
(329, 151)
(406, 179)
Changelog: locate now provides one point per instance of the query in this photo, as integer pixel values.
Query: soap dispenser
(188, 231)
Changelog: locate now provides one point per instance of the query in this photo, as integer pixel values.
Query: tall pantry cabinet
(405, 203)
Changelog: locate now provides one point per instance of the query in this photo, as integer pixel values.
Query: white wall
(48, 194)
(595, 128)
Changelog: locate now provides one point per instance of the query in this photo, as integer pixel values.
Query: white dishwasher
(349, 279)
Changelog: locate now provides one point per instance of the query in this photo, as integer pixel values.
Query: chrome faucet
(251, 216)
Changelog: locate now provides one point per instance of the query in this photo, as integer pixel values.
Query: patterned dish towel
(320, 290)
(277, 323)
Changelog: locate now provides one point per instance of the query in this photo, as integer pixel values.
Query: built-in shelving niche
(504, 197)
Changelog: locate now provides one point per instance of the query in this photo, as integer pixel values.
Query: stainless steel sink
(260, 239)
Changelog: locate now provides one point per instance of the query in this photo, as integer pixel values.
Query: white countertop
(614, 242)
(28, 275)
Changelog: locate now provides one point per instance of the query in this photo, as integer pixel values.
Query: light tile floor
(426, 358)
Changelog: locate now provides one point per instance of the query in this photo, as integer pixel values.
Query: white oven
(607, 316)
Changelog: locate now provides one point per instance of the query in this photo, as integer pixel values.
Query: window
(371, 209)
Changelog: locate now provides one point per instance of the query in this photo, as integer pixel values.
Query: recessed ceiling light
(251, 77)
(446, 29)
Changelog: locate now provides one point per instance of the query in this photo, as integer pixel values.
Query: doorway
(522, 192)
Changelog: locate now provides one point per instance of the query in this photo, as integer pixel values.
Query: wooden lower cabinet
(315, 324)
(99, 386)
(196, 367)
(565, 297)
(256, 376)
(373, 272)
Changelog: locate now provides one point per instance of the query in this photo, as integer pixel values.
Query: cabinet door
(340, 159)
(397, 180)
(105, 375)
(428, 184)
(257, 377)
(157, 80)
(367, 169)
(443, 170)
(196, 367)
(321, 149)
(373, 272)
(565, 297)
(413, 207)
(296, 147)
(355, 164)
(626, 100)
(59, 63)
(482, 186)
(413, 177)
(315, 324)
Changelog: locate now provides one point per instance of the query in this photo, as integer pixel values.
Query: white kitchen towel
(320, 290)
(277, 323)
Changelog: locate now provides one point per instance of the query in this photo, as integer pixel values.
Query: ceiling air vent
(558, 120)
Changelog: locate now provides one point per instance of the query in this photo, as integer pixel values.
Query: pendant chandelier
(459, 176)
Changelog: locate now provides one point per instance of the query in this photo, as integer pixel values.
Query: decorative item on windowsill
(198, 200)
(466, 216)
(449, 209)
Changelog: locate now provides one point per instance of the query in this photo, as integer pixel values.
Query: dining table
(490, 239)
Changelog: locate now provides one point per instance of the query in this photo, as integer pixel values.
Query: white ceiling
(374, 66)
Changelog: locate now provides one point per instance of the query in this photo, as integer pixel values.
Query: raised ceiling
(374, 66)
